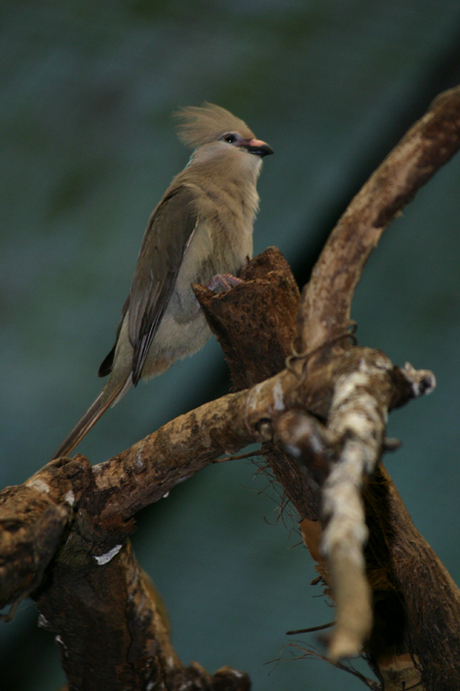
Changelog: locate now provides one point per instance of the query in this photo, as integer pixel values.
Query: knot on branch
(422, 382)
(308, 442)
(324, 348)
(411, 383)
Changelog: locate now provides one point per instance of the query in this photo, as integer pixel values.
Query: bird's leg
(224, 281)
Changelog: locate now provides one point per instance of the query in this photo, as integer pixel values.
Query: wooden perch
(335, 389)
(324, 311)
(325, 306)
(321, 421)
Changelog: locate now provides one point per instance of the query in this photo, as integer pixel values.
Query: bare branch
(324, 309)
(357, 421)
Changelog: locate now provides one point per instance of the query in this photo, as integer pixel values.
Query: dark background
(87, 148)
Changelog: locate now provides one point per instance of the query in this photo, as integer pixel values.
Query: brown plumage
(207, 123)
(202, 227)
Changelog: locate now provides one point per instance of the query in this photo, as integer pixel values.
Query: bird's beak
(258, 147)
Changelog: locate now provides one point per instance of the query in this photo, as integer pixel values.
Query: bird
(201, 231)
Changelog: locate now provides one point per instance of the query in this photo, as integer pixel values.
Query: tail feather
(92, 415)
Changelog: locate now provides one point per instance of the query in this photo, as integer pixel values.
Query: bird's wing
(165, 241)
(107, 363)
(168, 233)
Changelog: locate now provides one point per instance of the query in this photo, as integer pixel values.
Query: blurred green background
(87, 148)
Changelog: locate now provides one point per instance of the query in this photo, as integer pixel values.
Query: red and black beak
(258, 147)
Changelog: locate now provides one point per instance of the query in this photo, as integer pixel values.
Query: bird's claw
(224, 282)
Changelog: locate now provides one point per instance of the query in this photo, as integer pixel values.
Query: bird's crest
(207, 124)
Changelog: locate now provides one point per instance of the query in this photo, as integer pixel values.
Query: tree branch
(324, 309)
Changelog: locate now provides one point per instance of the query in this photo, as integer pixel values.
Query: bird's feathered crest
(207, 124)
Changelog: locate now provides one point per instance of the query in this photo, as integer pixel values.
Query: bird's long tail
(92, 415)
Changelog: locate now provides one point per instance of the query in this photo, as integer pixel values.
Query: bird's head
(251, 145)
(215, 133)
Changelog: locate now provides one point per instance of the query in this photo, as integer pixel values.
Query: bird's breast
(217, 246)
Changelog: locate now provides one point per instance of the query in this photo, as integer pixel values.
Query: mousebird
(200, 232)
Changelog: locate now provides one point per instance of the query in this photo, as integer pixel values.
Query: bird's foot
(224, 282)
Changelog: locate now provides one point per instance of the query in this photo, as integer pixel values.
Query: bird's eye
(229, 138)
